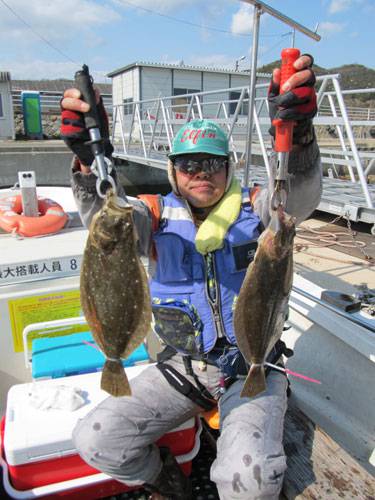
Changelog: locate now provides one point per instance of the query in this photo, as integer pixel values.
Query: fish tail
(114, 379)
(255, 382)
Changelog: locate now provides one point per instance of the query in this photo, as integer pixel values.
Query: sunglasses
(207, 165)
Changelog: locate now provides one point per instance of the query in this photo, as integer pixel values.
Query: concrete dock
(49, 159)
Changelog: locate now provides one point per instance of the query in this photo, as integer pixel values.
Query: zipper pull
(222, 388)
(222, 361)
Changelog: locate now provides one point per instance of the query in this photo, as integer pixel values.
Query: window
(185, 91)
(234, 96)
(1, 107)
(180, 104)
(128, 106)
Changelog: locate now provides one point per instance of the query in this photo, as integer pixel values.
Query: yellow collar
(212, 231)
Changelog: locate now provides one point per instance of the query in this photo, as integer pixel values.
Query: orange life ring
(52, 217)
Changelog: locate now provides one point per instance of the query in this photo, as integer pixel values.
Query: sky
(47, 39)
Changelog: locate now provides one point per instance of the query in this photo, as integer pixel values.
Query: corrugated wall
(155, 82)
(6, 110)
(125, 86)
(117, 90)
(190, 80)
(130, 84)
(214, 81)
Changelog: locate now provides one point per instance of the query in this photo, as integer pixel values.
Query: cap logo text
(194, 134)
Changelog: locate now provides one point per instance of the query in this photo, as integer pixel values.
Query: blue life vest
(180, 279)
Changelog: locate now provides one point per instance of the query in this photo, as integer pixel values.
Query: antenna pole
(253, 77)
(259, 8)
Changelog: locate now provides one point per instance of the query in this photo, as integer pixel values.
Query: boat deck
(317, 466)
(334, 267)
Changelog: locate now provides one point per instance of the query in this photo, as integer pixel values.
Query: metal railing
(151, 124)
(50, 101)
(143, 129)
(354, 112)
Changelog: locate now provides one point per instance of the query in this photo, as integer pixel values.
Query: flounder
(115, 295)
(261, 306)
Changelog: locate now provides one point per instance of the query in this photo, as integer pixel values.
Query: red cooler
(38, 455)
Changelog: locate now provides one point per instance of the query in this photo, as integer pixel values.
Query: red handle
(284, 129)
(288, 58)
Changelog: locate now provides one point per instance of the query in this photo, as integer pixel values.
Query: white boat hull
(341, 354)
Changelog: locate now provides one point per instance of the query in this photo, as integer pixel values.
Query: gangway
(145, 136)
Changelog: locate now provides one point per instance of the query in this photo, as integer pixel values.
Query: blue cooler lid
(55, 357)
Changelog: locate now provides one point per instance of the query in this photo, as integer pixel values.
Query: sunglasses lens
(208, 165)
(187, 165)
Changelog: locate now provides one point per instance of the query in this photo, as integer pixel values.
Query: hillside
(353, 76)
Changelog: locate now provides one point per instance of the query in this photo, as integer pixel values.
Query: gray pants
(117, 437)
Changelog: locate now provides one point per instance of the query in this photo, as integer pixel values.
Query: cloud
(39, 70)
(156, 5)
(242, 20)
(54, 20)
(339, 6)
(327, 28)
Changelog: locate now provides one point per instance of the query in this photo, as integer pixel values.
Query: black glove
(298, 105)
(75, 134)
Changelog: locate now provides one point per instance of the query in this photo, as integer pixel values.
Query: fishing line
(91, 345)
(294, 374)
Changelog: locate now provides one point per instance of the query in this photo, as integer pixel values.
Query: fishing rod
(101, 165)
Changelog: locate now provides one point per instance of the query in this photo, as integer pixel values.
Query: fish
(261, 306)
(114, 290)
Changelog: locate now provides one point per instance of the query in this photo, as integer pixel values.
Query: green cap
(200, 136)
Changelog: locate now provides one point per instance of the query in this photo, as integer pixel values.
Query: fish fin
(114, 379)
(141, 325)
(255, 382)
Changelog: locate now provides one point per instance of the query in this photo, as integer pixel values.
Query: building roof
(184, 67)
(54, 85)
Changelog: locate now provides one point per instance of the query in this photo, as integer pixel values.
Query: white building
(140, 81)
(6, 107)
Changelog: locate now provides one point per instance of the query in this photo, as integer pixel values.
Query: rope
(300, 249)
(325, 239)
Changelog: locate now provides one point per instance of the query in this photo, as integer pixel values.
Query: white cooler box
(38, 455)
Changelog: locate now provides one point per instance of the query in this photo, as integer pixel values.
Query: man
(196, 231)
